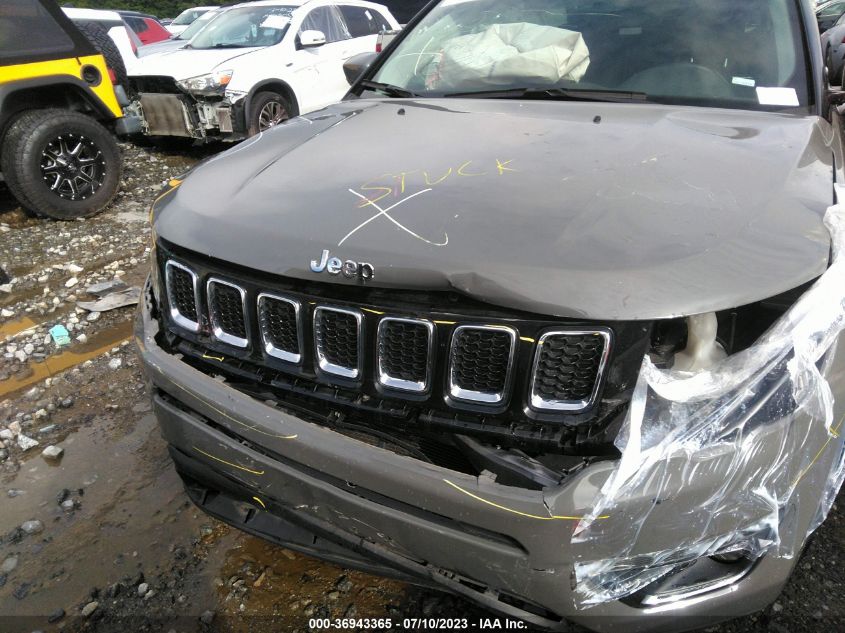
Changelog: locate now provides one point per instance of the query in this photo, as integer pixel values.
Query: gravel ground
(96, 533)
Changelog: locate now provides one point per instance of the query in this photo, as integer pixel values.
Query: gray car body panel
(585, 210)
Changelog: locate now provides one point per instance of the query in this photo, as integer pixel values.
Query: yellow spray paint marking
(260, 502)
(223, 461)
(97, 346)
(445, 322)
(235, 420)
(551, 517)
(13, 328)
(834, 434)
(207, 357)
(527, 339)
(376, 312)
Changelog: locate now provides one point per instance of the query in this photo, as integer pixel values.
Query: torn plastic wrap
(744, 457)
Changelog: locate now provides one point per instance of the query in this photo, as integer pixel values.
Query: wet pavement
(103, 538)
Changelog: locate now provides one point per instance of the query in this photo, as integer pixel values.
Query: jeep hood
(184, 63)
(586, 210)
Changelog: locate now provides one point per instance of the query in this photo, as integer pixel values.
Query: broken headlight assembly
(210, 85)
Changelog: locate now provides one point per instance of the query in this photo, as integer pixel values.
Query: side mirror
(312, 39)
(355, 66)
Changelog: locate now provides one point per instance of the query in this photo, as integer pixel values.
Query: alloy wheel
(270, 115)
(73, 166)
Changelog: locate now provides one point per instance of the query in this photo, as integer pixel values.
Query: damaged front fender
(744, 458)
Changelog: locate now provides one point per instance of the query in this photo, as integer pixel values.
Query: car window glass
(26, 29)
(137, 24)
(362, 21)
(244, 27)
(722, 53)
(841, 20)
(327, 20)
(831, 10)
(187, 16)
(197, 25)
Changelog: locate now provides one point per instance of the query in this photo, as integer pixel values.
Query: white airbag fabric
(504, 53)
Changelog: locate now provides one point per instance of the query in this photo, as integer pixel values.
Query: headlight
(211, 84)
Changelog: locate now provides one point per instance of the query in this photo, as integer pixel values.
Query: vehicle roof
(91, 14)
(299, 3)
(136, 14)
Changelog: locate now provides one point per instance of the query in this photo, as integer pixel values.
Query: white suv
(255, 66)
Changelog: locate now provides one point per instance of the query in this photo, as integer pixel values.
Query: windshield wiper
(222, 46)
(388, 89)
(566, 94)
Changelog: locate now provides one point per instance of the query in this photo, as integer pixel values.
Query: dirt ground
(104, 538)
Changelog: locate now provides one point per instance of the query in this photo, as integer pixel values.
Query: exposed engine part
(702, 350)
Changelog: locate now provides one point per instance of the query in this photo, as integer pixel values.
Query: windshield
(245, 27)
(187, 16)
(732, 53)
(197, 25)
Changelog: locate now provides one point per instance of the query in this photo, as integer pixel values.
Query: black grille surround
(278, 320)
(391, 329)
(181, 295)
(566, 365)
(227, 312)
(404, 350)
(338, 341)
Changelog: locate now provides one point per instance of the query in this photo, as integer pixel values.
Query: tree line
(159, 8)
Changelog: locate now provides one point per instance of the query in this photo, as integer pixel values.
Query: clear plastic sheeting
(744, 457)
(534, 54)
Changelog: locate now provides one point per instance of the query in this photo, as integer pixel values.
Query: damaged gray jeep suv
(545, 313)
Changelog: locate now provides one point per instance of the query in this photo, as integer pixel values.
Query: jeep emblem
(349, 268)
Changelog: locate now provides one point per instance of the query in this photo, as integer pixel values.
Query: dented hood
(184, 63)
(606, 211)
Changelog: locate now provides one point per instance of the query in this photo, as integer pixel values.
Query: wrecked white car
(564, 340)
(255, 66)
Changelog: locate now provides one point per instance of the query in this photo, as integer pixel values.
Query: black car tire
(101, 40)
(262, 105)
(28, 162)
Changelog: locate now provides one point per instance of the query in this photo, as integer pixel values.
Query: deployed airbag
(527, 54)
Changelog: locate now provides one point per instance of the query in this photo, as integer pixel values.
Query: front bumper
(506, 548)
(183, 115)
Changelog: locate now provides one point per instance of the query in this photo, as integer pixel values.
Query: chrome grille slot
(405, 351)
(227, 312)
(278, 318)
(338, 341)
(568, 368)
(481, 363)
(183, 295)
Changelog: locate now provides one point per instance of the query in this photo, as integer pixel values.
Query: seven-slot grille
(478, 361)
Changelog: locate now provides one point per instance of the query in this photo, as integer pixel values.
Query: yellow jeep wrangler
(59, 112)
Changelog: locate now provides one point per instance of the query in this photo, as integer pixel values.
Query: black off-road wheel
(267, 110)
(60, 163)
(101, 40)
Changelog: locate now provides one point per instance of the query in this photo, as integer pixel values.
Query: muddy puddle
(273, 589)
(97, 344)
(130, 509)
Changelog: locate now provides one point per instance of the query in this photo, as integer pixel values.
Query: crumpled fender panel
(765, 420)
